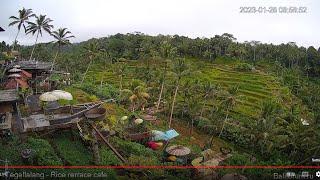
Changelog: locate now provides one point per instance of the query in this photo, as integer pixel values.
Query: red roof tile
(26, 74)
(12, 84)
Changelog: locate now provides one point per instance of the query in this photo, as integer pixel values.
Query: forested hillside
(255, 96)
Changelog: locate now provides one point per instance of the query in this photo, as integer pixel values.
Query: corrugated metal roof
(33, 65)
(8, 95)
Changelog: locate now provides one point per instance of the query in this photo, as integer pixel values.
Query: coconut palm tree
(41, 23)
(137, 94)
(120, 69)
(180, 69)
(210, 91)
(62, 36)
(307, 69)
(162, 78)
(229, 103)
(24, 15)
(194, 105)
(265, 127)
(91, 51)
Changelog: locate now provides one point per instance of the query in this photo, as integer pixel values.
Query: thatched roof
(38, 65)
(8, 95)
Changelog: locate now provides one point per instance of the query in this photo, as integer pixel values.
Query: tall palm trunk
(84, 76)
(15, 40)
(160, 95)
(173, 101)
(224, 122)
(54, 59)
(34, 46)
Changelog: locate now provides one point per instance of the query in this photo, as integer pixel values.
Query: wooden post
(108, 144)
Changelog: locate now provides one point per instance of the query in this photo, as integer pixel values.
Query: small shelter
(36, 68)
(7, 99)
(8, 105)
(37, 71)
(1, 29)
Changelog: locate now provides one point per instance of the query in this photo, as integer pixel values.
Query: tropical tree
(301, 143)
(62, 36)
(265, 128)
(307, 69)
(24, 15)
(254, 44)
(137, 94)
(229, 103)
(161, 79)
(167, 50)
(41, 23)
(210, 92)
(120, 69)
(180, 69)
(91, 51)
(192, 94)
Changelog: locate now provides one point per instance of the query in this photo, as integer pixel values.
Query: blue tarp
(159, 135)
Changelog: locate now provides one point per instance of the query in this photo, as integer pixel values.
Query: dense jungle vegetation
(254, 96)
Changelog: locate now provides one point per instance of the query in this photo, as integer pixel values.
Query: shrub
(128, 148)
(105, 92)
(72, 151)
(44, 153)
(10, 148)
(243, 67)
(108, 157)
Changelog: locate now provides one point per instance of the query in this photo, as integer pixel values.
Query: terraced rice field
(255, 87)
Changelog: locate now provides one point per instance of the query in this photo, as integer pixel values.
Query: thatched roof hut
(7, 98)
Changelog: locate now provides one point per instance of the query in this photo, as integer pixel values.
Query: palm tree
(24, 15)
(62, 37)
(254, 44)
(210, 91)
(229, 103)
(265, 127)
(42, 23)
(194, 104)
(91, 51)
(162, 78)
(307, 68)
(137, 93)
(120, 69)
(180, 70)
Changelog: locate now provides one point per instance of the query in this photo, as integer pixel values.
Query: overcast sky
(193, 18)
